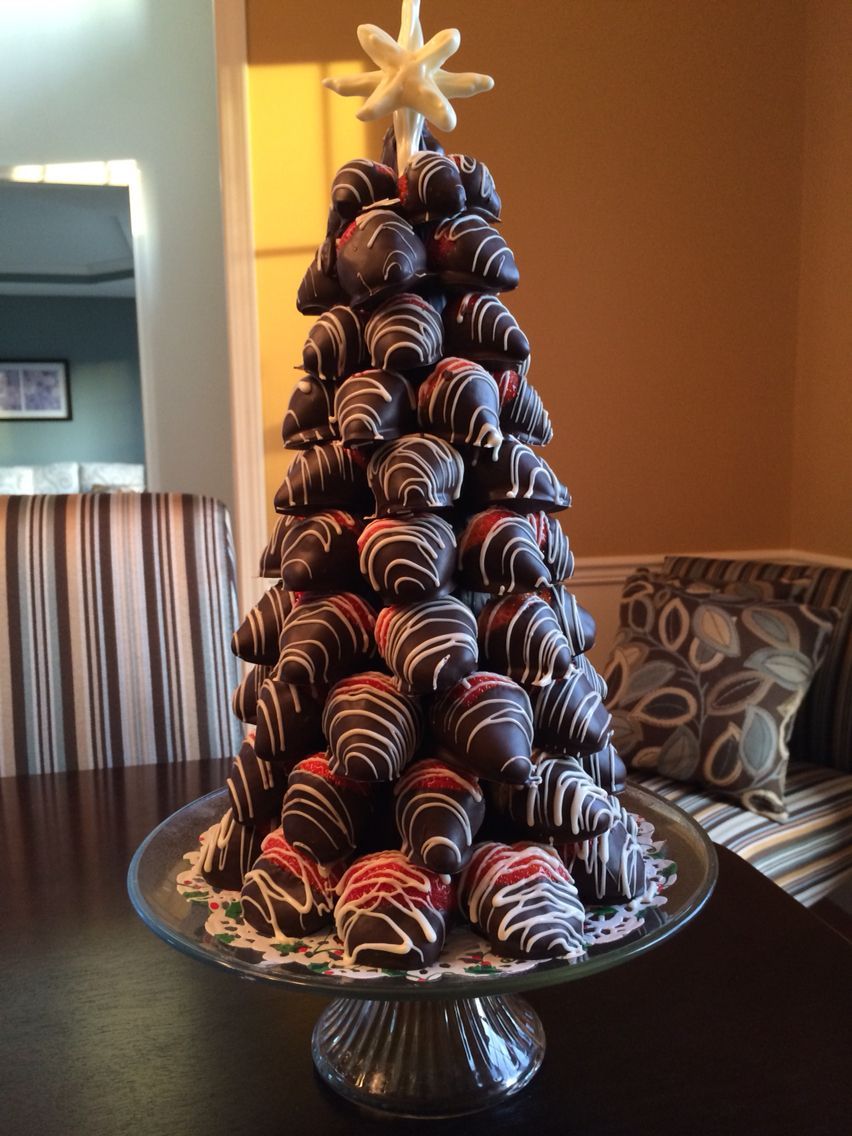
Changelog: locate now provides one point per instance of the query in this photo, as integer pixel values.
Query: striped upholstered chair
(810, 852)
(115, 615)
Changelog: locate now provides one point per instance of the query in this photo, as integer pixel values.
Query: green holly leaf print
(234, 910)
(224, 937)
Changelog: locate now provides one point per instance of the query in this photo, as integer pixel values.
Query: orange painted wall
(822, 497)
(649, 158)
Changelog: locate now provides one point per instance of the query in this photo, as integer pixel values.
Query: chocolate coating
(325, 638)
(391, 913)
(415, 473)
(610, 868)
(228, 850)
(379, 254)
(244, 697)
(270, 558)
(606, 768)
(372, 728)
(471, 255)
(406, 559)
(308, 420)
(482, 196)
(288, 722)
(360, 184)
(438, 811)
(375, 406)
(517, 479)
(522, 412)
(334, 347)
(430, 187)
(479, 326)
(521, 898)
(324, 477)
(324, 814)
(569, 716)
(591, 674)
(320, 552)
(485, 723)
(554, 544)
(499, 553)
(520, 636)
(284, 894)
(577, 624)
(459, 402)
(319, 289)
(565, 803)
(256, 639)
(430, 645)
(255, 787)
(405, 333)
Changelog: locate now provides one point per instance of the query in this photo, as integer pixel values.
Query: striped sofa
(810, 852)
(116, 610)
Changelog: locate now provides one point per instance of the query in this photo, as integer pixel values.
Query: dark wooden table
(739, 1024)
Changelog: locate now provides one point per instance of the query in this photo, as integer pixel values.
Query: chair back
(116, 611)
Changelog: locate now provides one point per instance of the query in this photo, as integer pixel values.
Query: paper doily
(464, 953)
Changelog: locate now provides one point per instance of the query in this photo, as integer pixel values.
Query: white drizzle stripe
(518, 474)
(309, 413)
(541, 910)
(481, 326)
(416, 472)
(414, 545)
(244, 698)
(334, 346)
(224, 840)
(256, 639)
(391, 889)
(322, 634)
(374, 406)
(369, 728)
(298, 885)
(461, 714)
(570, 713)
(317, 536)
(529, 646)
(509, 542)
(570, 616)
(479, 251)
(317, 817)
(525, 416)
(320, 473)
(251, 783)
(404, 332)
(615, 855)
(461, 403)
(437, 809)
(420, 640)
(565, 802)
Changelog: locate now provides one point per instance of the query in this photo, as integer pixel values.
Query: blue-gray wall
(98, 338)
(137, 79)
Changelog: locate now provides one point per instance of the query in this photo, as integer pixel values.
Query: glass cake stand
(458, 1044)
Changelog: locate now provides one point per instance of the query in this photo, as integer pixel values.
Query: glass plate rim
(452, 987)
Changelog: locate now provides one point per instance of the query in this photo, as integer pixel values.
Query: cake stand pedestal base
(427, 1056)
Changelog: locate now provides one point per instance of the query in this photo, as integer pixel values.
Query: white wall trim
(247, 454)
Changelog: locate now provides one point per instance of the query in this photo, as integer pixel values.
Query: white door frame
(247, 448)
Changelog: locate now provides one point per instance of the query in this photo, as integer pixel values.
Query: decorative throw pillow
(705, 688)
(786, 589)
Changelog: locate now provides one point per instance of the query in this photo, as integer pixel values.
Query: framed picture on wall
(34, 390)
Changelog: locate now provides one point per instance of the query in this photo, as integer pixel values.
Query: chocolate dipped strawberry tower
(428, 740)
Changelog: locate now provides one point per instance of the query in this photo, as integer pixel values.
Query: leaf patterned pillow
(705, 688)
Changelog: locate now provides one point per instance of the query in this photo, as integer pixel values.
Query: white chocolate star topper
(411, 83)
